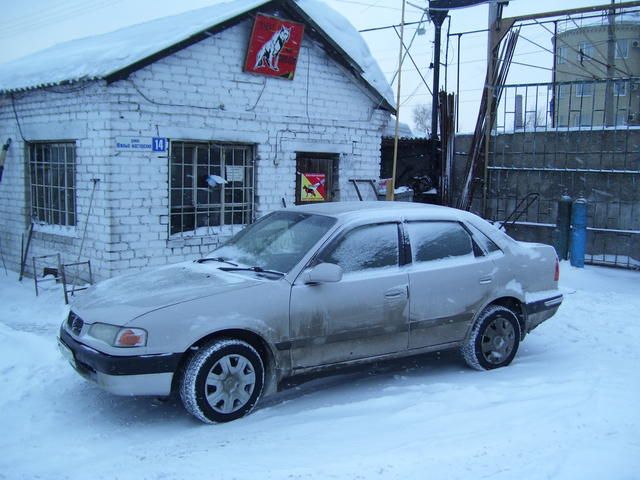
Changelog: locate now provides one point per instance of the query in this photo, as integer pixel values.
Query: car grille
(74, 323)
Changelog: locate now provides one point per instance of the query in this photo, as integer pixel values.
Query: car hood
(123, 298)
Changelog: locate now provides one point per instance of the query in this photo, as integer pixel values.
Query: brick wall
(80, 114)
(199, 93)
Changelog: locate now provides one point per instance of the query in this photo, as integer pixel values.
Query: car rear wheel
(222, 381)
(494, 339)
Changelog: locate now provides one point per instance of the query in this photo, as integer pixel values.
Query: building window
(585, 50)
(211, 185)
(584, 89)
(563, 90)
(562, 55)
(52, 169)
(620, 88)
(622, 48)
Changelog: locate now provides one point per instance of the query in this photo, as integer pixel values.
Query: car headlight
(118, 336)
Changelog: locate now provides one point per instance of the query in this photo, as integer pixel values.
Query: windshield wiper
(253, 269)
(216, 259)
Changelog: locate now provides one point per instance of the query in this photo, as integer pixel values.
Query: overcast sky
(30, 25)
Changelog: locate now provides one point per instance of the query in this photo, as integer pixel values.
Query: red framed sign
(274, 47)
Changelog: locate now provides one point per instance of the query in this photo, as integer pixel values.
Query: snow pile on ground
(567, 408)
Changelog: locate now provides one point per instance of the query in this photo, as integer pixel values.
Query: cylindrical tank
(563, 227)
(578, 231)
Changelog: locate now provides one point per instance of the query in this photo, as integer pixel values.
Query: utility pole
(495, 13)
(391, 187)
(438, 12)
(437, 17)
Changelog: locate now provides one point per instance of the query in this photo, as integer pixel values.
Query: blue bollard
(562, 231)
(578, 232)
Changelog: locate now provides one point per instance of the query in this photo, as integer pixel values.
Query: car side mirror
(323, 273)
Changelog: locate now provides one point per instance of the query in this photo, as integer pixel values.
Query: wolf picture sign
(274, 47)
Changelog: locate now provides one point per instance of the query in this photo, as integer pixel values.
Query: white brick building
(69, 123)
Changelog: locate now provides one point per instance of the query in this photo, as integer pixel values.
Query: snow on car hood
(126, 297)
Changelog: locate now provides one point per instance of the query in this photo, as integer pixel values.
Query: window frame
(564, 90)
(475, 233)
(561, 55)
(621, 53)
(40, 168)
(617, 90)
(475, 248)
(585, 49)
(183, 214)
(402, 258)
(580, 90)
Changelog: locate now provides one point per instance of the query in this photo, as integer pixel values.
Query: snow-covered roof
(107, 55)
(403, 132)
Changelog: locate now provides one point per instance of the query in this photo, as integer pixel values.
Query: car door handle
(486, 280)
(397, 292)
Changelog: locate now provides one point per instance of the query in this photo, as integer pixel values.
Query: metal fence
(578, 138)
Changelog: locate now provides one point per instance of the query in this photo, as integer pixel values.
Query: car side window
(438, 240)
(367, 247)
(487, 244)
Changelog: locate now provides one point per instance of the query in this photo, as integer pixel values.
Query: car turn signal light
(131, 337)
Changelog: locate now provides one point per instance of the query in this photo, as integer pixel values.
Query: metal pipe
(395, 138)
(436, 77)
(458, 88)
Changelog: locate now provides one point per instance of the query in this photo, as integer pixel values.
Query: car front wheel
(494, 339)
(222, 381)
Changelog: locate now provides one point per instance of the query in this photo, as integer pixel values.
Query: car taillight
(556, 275)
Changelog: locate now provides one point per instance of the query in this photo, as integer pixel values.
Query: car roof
(363, 209)
(346, 212)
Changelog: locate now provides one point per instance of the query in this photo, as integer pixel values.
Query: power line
(406, 50)
(550, 51)
(538, 22)
(408, 53)
(54, 17)
(584, 54)
(387, 27)
(370, 5)
(531, 65)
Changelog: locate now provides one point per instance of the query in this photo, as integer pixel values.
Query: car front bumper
(121, 375)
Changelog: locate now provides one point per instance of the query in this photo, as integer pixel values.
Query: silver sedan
(312, 288)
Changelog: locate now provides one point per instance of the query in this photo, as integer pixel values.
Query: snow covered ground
(567, 408)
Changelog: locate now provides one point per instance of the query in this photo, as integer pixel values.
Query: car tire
(494, 339)
(222, 381)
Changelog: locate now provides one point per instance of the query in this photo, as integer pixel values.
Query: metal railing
(597, 157)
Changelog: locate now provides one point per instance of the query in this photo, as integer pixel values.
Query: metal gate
(553, 139)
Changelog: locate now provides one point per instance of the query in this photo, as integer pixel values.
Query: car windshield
(276, 242)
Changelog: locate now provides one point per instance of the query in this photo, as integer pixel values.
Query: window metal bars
(52, 182)
(198, 207)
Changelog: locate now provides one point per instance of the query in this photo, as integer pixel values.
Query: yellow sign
(312, 187)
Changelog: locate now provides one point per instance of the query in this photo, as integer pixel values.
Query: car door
(450, 279)
(364, 314)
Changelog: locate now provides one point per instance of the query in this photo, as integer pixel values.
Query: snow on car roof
(339, 209)
(101, 56)
(376, 210)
